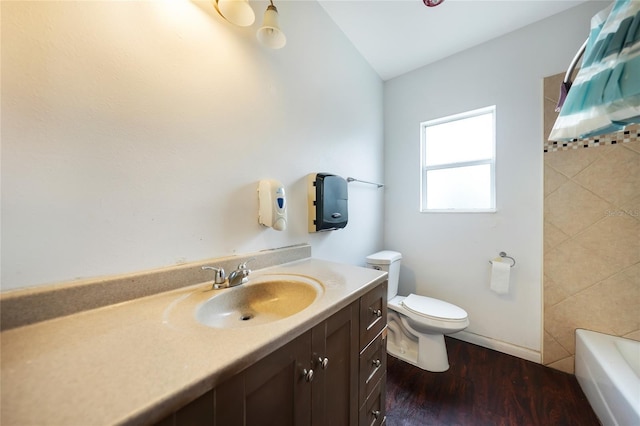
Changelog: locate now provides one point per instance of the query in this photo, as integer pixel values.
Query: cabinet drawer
(373, 411)
(373, 314)
(373, 365)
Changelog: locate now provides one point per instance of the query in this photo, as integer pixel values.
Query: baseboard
(498, 345)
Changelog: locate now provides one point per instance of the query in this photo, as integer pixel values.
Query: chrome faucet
(237, 277)
(240, 275)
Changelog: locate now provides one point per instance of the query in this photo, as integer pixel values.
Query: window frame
(490, 161)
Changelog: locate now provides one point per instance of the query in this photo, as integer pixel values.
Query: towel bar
(350, 179)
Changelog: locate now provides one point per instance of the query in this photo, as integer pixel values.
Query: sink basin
(261, 301)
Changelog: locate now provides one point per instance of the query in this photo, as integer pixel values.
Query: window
(457, 159)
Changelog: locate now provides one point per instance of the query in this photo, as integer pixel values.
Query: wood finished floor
(484, 387)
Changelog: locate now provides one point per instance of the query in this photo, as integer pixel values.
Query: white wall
(447, 255)
(134, 135)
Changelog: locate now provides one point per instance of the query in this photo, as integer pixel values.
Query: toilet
(416, 325)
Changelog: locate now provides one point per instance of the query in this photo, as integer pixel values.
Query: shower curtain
(605, 96)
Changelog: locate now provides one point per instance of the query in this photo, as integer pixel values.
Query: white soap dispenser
(272, 204)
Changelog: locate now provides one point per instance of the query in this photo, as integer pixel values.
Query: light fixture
(270, 34)
(238, 12)
(432, 3)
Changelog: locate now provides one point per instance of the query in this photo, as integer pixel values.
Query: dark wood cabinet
(197, 412)
(373, 357)
(332, 375)
(276, 390)
(335, 389)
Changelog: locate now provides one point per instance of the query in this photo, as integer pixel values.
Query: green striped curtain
(605, 96)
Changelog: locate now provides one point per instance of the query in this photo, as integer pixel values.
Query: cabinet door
(199, 412)
(272, 392)
(335, 387)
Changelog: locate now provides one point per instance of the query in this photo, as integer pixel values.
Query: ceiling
(398, 36)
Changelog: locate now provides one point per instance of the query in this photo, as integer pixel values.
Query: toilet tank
(388, 261)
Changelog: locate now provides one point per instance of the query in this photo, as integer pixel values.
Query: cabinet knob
(376, 312)
(324, 362)
(376, 362)
(308, 375)
(376, 413)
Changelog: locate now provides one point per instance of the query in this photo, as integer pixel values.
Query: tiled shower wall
(591, 236)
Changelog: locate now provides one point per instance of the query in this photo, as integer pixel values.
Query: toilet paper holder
(504, 255)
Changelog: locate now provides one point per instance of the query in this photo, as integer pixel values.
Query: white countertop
(135, 362)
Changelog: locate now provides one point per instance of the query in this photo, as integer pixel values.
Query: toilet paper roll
(500, 272)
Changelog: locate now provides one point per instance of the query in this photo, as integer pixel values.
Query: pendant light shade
(270, 34)
(238, 12)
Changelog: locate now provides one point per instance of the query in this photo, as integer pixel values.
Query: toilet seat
(431, 308)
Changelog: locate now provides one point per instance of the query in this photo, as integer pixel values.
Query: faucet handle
(219, 277)
(243, 265)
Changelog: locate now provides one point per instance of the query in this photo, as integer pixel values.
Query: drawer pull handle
(376, 362)
(308, 375)
(324, 362)
(376, 414)
(377, 312)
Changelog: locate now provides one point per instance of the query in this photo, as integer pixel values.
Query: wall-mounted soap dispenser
(327, 196)
(272, 211)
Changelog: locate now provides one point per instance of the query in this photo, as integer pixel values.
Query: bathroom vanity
(333, 374)
(149, 361)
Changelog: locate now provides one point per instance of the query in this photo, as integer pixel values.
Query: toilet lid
(429, 307)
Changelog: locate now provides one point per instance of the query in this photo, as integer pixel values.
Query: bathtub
(608, 370)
